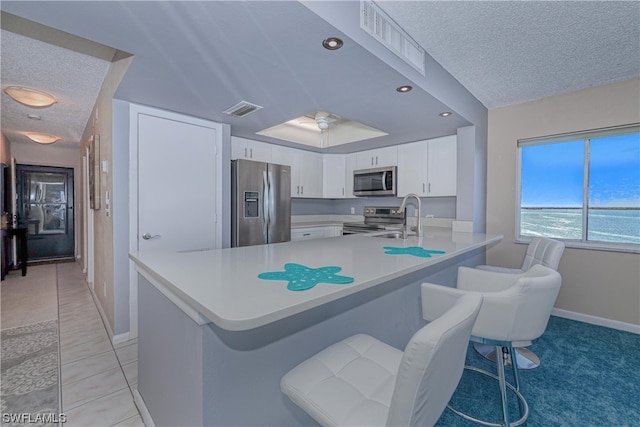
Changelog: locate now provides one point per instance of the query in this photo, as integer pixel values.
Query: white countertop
(223, 285)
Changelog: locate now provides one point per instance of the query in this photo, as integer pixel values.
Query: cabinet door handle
(429, 188)
(302, 189)
(423, 187)
(298, 189)
(251, 153)
(343, 191)
(376, 160)
(371, 160)
(245, 151)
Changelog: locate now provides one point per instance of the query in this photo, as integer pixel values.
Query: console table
(21, 236)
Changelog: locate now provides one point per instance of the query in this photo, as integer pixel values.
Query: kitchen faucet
(402, 208)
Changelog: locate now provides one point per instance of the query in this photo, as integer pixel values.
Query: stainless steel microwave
(375, 182)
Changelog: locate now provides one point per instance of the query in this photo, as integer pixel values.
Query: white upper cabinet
(309, 174)
(412, 168)
(386, 156)
(443, 166)
(428, 168)
(337, 175)
(334, 174)
(242, 148)
(350, 166)
(306, 170)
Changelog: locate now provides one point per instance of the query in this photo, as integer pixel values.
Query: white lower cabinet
(308, 233)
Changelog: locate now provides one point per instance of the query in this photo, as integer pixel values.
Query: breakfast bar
(219, 328)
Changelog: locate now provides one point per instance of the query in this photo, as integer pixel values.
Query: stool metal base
(524, 407)
(525, 358)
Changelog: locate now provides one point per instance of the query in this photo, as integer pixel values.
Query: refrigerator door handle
(265, 206)
(272, 196)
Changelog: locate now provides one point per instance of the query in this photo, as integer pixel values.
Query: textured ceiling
(73, 78)
(508, 52)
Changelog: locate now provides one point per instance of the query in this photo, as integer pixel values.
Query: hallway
(96, 379)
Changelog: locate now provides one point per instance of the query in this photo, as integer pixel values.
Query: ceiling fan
(322, 120)
(333, 129)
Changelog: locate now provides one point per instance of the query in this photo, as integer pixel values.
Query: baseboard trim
(142, 408)
(594, 320)
(103, 316)
(120, 338)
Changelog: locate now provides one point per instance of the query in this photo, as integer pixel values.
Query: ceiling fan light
(41, 138)
(30, 97)
(323, 124)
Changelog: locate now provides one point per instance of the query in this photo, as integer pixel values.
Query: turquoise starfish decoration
(412, 250)
(301, 278)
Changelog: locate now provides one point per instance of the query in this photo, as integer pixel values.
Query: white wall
(595, 283)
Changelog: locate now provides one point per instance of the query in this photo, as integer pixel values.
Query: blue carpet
(589, 376)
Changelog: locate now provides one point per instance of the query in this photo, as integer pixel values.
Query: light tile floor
(97, 379)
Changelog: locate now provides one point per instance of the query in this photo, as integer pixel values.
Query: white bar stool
(515, 309)
(362, 381)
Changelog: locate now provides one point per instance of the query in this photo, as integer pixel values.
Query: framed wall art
(94, 172)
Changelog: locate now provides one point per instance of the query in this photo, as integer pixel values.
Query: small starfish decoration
(301, 278)
(411, 250)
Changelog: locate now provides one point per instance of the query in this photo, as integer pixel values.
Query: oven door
(375, 182)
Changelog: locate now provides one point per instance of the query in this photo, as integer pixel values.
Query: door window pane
(45, 201)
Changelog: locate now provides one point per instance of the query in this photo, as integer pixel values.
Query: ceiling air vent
(242, 109)
(374, 21)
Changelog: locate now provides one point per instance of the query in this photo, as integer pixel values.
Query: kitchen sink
(392, 235)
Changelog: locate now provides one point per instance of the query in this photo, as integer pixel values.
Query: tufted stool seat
(348, 383)
(362, 381)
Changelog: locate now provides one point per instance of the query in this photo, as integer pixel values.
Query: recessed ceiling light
(41, 138)
(445, 114)
(404, 89)
(332, 43)
(30, 97)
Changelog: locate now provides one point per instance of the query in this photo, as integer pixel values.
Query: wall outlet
(353, 210)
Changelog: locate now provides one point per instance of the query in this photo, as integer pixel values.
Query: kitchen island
(214, 339)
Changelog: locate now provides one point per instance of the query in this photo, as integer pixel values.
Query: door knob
(147, 236)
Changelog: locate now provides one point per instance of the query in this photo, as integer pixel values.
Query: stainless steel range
(376, 218)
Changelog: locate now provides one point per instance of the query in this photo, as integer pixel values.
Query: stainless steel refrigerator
(260, 203)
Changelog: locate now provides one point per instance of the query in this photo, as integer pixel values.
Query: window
(582, 188)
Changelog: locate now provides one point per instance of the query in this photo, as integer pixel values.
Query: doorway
(45, 208)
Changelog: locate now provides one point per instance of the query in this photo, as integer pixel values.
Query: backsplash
(439, 207)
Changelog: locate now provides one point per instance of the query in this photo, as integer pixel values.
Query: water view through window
(585, 190)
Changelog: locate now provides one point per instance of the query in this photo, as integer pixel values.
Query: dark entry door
(45, 203)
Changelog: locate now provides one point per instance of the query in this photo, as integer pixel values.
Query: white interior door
(177, 192)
